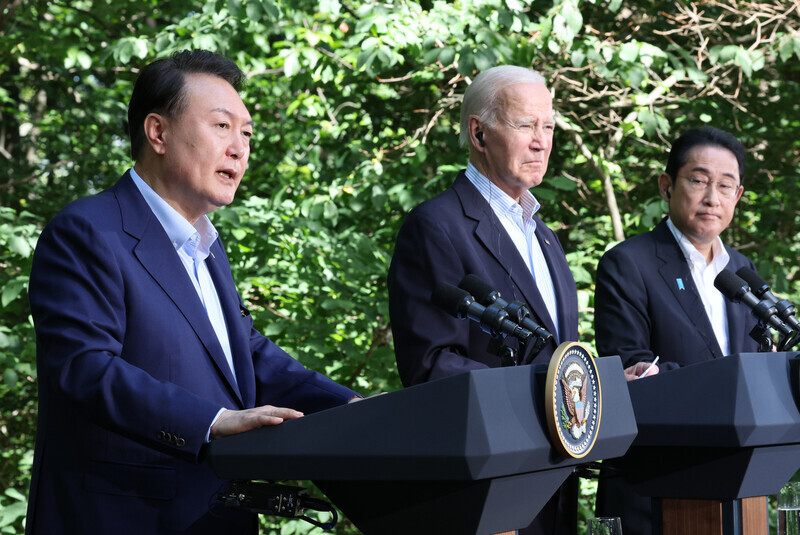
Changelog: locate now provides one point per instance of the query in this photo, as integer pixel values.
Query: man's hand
(234, 422)
(633, 372)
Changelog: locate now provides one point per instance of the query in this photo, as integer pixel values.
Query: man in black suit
(655, 292)
(485, 224)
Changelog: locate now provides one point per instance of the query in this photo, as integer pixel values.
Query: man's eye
(222, 125)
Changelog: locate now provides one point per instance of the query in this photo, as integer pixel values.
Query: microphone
(734, 288)
(488, 296)
(492, 319)
(761, 290)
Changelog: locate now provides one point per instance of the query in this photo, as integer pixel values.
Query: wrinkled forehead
(525, 100)
(713, 160)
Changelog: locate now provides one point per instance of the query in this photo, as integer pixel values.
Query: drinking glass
(789, 509)
(610, 525)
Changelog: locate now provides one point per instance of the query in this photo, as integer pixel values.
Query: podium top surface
(743, 400)
(476, 425)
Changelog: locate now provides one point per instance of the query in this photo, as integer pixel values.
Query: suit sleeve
(282, 381)
(78, 301)
(429, 343)
(623, 322)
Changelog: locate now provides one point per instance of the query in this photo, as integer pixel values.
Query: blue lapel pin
(680, 284)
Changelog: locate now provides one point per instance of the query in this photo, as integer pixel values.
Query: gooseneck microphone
(736, 289)
(761, 289)
(487, 296)
(492, 319)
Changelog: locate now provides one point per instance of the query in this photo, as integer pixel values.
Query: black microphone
(761, 289)
(492, 319)
(734, 288)
(487, 296)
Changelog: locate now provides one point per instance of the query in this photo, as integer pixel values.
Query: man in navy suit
(655, 292)
(486, 224)
(145, 350)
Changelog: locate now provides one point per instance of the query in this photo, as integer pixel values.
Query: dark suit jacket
(131, 375)
(442, 240)
(640, 310)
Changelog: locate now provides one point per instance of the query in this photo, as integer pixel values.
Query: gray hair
(481, 96)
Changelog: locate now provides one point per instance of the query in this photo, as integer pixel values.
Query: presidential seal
(573, 403)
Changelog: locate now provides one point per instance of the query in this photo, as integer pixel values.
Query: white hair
(481, 96)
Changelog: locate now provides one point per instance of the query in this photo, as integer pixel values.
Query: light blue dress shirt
(192, 243)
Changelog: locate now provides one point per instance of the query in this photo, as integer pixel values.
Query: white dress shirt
(703, 274)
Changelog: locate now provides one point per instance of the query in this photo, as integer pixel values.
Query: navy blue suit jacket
(442, 240)
(641, 310)
(131, 375)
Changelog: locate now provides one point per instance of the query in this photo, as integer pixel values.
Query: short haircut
(160, 88)
(481, 96)
(703, 137)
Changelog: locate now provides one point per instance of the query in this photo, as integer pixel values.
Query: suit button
(180, 442)
(162, 435)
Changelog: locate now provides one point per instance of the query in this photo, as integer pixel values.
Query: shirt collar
(695, 257)
(195, 240)
(498, 199)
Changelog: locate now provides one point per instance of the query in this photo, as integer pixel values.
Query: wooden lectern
(465, 454)
(714, 439)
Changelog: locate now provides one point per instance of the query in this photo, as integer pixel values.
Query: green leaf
(10, 378)
(291, 65)
(12, 290)
(19, 246)
(629, 51)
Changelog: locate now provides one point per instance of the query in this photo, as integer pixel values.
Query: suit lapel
(678, 278)
(157, 255)
(491, 234)
(232, 309)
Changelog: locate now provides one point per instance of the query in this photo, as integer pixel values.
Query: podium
(463, 454)
(712, 434)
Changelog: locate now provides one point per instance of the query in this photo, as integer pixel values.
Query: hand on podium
(637, 371)
(232, 422)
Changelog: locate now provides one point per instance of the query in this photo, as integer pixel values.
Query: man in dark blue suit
(655, 292)
(486, 224)
(145, 350)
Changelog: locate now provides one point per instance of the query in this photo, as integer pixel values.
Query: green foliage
(356, 119)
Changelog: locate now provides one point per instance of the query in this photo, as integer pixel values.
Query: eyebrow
(701, 169)
(228, 112)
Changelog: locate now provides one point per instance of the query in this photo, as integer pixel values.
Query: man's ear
(476, 133)
(665, 186)
(154, 128)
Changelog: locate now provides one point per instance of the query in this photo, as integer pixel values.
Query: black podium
(719, 430)
(464, 454)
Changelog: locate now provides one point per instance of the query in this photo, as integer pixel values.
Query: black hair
(701, 137)
(160, 87)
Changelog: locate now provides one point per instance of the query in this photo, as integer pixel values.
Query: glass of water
(609, 525)
(789, 509)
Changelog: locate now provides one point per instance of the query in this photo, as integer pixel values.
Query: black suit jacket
(641, 310)
(442, 240)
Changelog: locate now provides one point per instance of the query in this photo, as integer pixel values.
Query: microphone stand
(789, 342)
(762, 335)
